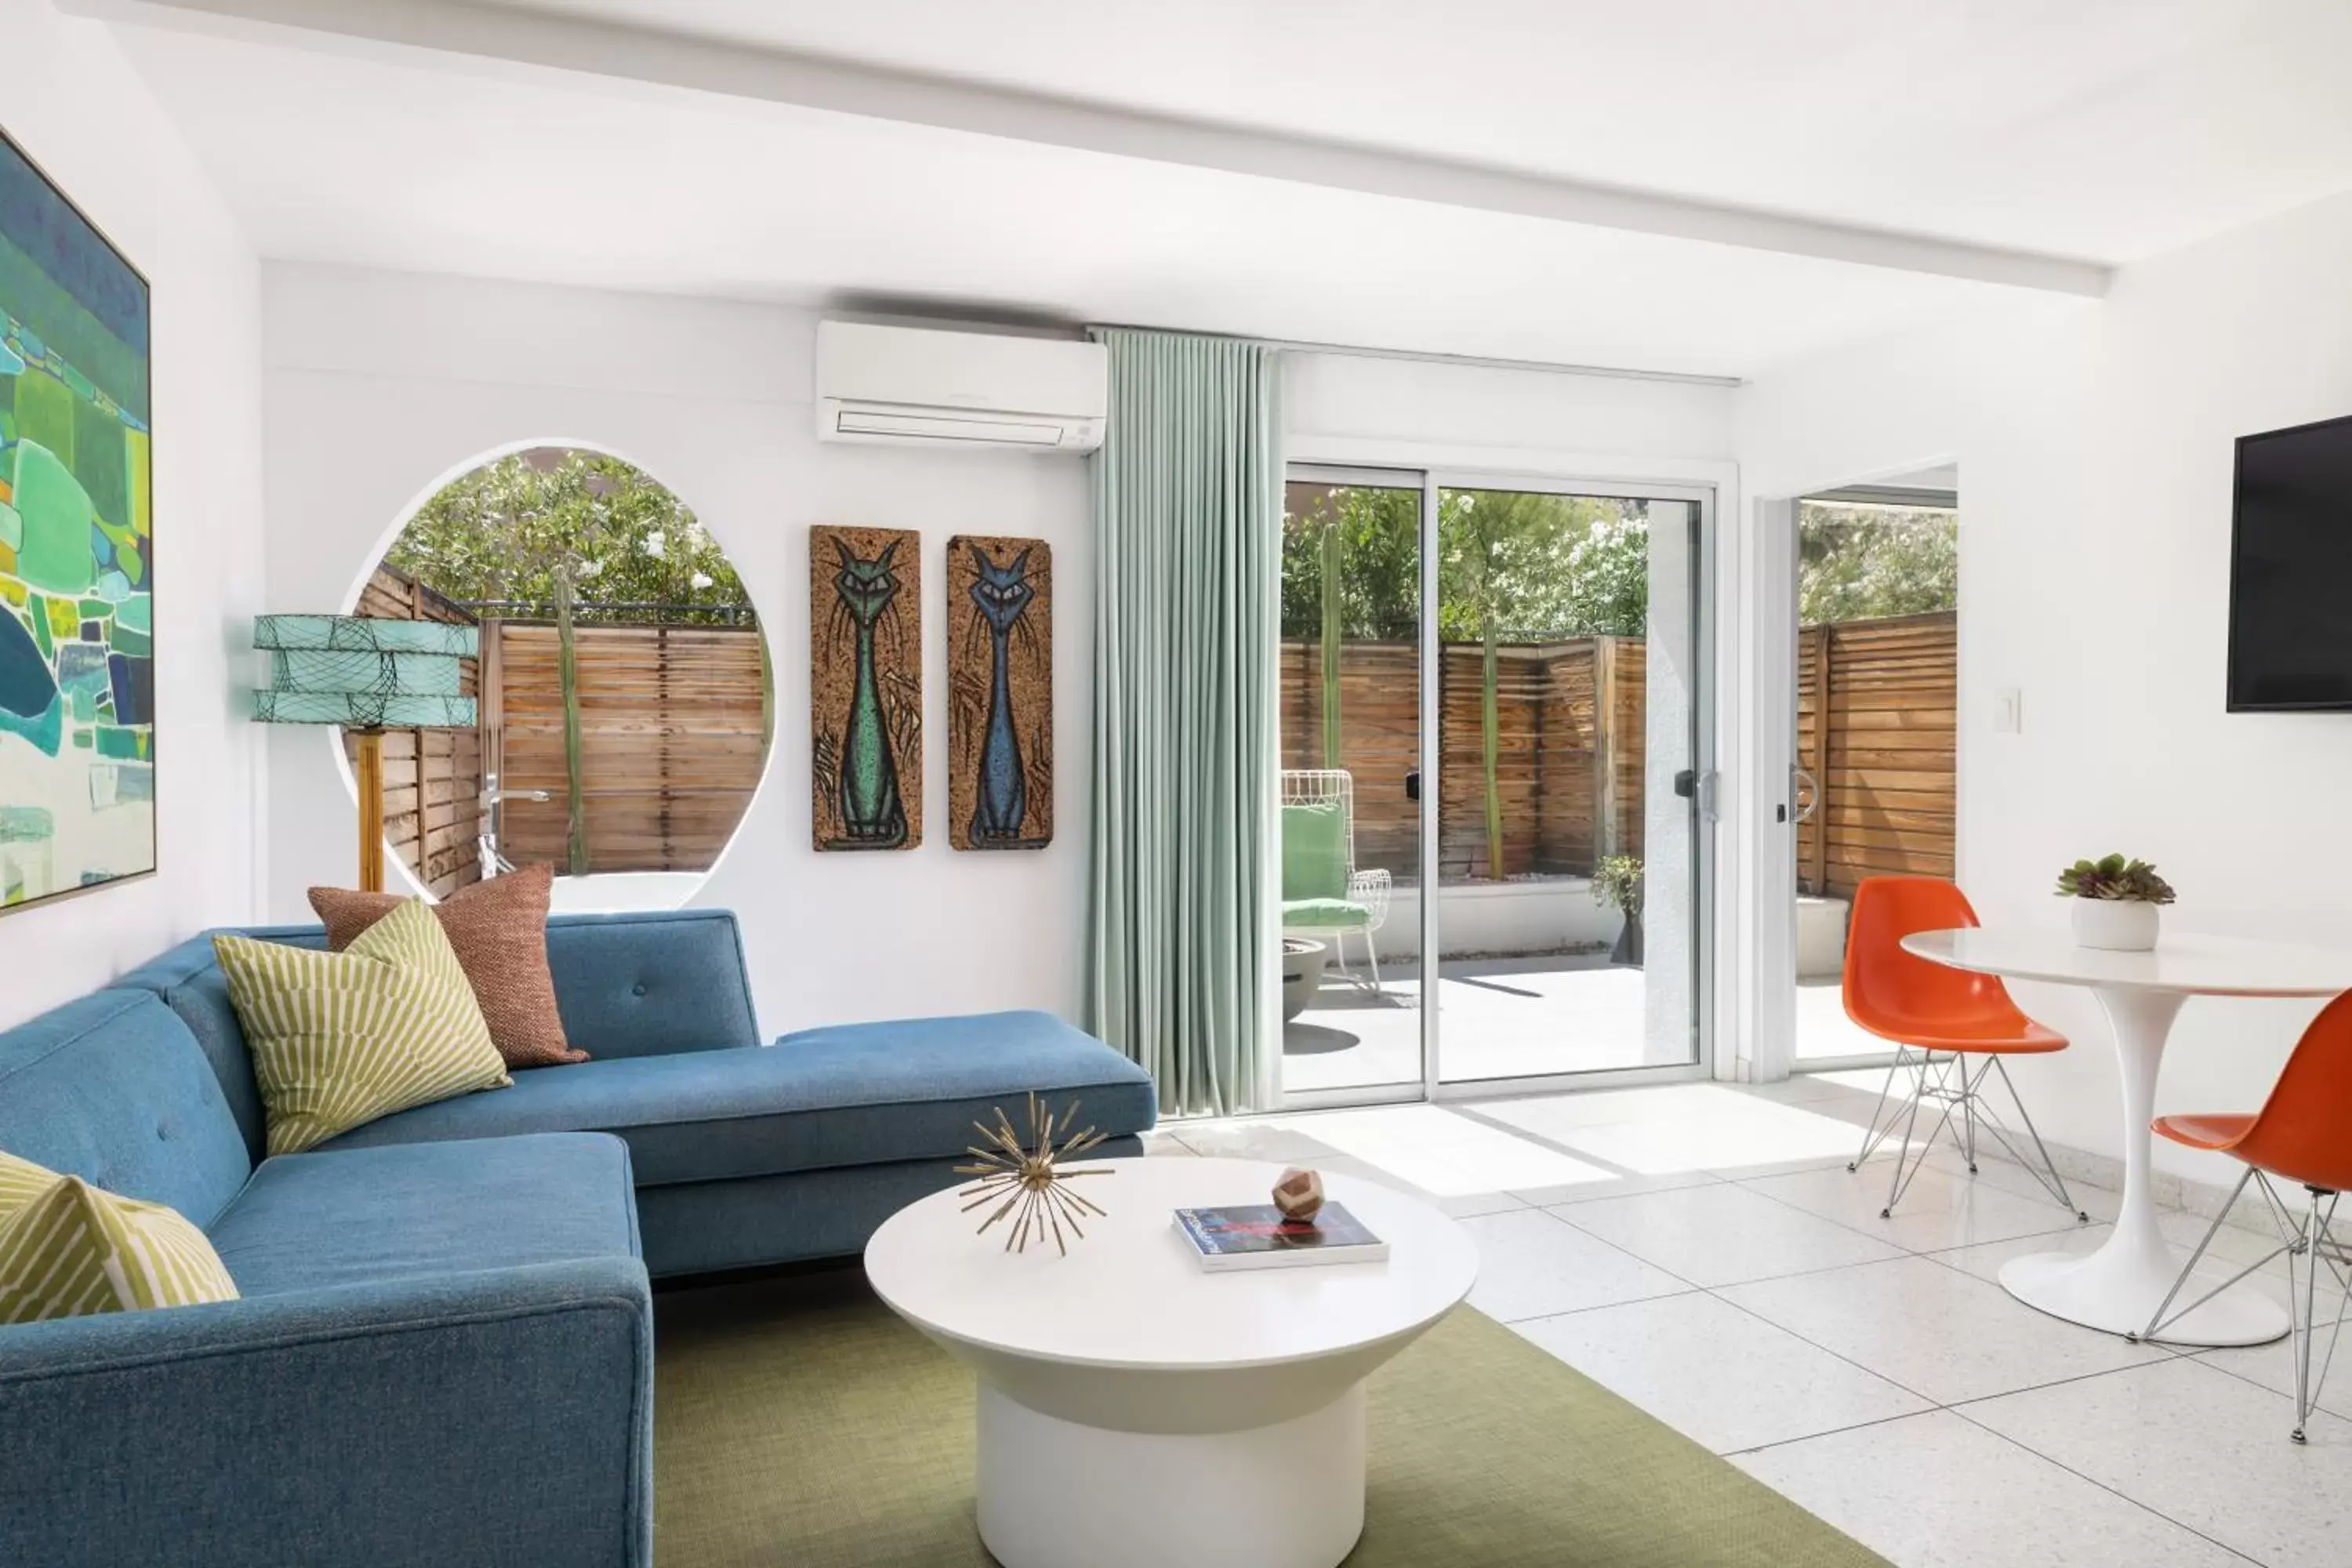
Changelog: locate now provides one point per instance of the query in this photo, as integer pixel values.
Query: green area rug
(799, 1421)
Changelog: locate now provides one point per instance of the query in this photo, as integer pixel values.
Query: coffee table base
(1057, 1494)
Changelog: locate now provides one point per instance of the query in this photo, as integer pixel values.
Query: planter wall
(1499, 917)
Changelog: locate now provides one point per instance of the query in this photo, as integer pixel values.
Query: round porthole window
(623, 696)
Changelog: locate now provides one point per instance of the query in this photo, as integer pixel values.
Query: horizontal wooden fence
(673, 734)
(676, 725)
(434, 809)
(1884, 761)
(1570, 741)
(1569, 752)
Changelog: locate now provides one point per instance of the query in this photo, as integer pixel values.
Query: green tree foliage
(1537, 567)
(1609, 577)
(1544, 567)
(503, 530)
(1378, 582)
(1859, 563)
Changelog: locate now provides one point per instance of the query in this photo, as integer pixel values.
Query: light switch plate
(2008, 710)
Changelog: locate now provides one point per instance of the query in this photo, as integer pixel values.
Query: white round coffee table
(1136, 1408)
(2119, 1287)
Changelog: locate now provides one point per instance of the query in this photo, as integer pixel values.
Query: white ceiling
(2098, 128)
(332, 157)
(2102, 129)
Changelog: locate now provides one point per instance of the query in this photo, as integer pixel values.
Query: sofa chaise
(443, 1351)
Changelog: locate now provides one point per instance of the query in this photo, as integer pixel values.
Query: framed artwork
(1000, 693)
(866, 686)
(76, 550)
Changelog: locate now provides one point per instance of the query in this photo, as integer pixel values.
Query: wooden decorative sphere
(1299, 1195)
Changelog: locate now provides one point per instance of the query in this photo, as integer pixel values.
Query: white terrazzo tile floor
(1701, 1250)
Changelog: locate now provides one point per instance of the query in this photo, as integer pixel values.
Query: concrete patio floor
(1509, 1018)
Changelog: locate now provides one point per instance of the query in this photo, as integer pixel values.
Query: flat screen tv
(2291, 572)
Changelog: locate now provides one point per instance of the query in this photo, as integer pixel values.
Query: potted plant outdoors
(2116, 902)
(1617, 882)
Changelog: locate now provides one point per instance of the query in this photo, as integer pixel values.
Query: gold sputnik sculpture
(1031, 1179)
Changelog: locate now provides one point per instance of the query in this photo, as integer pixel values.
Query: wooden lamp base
(370, 791)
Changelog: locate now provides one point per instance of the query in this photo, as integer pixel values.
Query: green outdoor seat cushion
(1324, 914)
(1314, 851)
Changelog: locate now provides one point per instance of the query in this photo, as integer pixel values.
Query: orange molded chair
(1950, 1017)
(2302, 1134)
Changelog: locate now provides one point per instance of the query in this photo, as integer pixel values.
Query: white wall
(79, 111)
(380, 384)
(2094, 444)
(1361, 408)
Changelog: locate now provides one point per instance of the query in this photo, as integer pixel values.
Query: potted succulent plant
(2116, 902)
(1617, 882)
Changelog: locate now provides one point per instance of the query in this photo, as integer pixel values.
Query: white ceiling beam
(625, 53)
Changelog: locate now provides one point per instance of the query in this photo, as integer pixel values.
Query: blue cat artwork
(1001, 698)
(865, 690)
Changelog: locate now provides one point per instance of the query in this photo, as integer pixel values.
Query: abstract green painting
(76, 550)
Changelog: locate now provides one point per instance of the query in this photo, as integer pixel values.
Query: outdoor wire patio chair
(1323, 893)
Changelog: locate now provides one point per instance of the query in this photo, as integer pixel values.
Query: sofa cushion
(627, 986)
(1324, 914)
(339, 1038)
(187, 980)
(653, 983)
(352, 1216)
(855, 1095)
(68, 1249)
(500, 931)
(1313, 850)
(111, 1088)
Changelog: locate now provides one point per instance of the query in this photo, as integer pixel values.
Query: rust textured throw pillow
(498, 929)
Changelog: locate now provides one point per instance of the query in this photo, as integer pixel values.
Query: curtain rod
(1475, 362)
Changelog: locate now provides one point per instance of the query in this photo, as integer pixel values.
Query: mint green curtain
(1185, 966)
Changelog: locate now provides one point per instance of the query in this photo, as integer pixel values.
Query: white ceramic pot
(2119, 925)
(1302, 974)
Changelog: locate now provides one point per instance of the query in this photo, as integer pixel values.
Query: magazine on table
(1260, 1236)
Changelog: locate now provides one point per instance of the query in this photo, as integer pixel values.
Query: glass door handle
(1698, 788)
(1806, 792)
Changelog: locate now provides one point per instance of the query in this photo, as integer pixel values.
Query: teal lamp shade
(365, 673)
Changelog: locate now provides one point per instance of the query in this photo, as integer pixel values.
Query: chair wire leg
(1372, 959)
(2039, 1148)
(2335, 1255)
(1894, 1190)
(2302, 1312)
(1969, 1109)
(1943, 1091)
(1875, 1134)
(2157, 1320)
(2317, 1238)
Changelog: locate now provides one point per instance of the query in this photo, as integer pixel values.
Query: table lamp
(367, 675)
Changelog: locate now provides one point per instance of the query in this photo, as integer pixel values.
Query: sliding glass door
(1873, 785)
(1493, 843)
(1350, 749)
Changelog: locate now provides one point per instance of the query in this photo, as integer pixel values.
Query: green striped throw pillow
(341, 1038)
(68, 1249)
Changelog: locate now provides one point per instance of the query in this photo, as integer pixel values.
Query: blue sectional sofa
(443, 1354)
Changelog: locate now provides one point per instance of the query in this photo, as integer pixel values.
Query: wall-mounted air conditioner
(959, 389)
